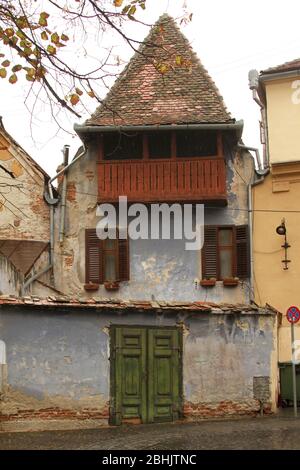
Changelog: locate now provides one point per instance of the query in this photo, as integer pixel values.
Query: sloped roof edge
(21, 149)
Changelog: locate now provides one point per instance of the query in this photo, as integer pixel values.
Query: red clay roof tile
(144, 96)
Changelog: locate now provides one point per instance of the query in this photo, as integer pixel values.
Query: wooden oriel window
(105, 260)
(225, 252)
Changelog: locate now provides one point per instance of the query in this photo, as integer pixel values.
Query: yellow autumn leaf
(13, 78)
(44, 35)
(3, 73)
(51, 49)
(132, 10)
(9, 32)
(91, 94)
(118, 3)
(43, 20)
(55, 38)
(74, 99)
(17, 68)
(44, 14)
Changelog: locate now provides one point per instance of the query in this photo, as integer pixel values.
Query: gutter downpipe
(261, 173)
(63, 196)
(237, 126)
(52, 202)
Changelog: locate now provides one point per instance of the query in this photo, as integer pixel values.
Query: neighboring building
(24, 215)
(147, 331)
(276, 198)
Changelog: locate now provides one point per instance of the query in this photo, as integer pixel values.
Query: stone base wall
(55, 418)
(224, 409)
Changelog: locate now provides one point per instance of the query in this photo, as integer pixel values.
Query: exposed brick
(71, 192)
(223, 409)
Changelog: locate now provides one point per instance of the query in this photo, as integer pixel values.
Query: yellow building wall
(276, 198)
(283, 112)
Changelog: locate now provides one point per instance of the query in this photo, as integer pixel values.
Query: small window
(225, 242)
(106, 260)
(196, 143)
(119, 146)
(225, 252)
(159, 144)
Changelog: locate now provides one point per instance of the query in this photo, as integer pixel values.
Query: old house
(147, 330)
(275, 200)
(24, 227)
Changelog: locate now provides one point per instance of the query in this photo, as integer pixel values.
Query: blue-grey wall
(61, 356)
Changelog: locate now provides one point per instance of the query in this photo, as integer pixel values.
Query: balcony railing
(201, 179)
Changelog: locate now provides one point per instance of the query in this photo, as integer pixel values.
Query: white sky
(230, 37)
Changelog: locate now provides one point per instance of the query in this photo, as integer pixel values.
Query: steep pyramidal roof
(144, 96)
(286, 67)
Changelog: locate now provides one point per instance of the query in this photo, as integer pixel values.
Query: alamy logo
(154, 221)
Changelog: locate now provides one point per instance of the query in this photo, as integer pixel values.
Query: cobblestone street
(281, 432)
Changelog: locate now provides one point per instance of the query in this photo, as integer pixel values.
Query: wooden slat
(187, 177)
(114, 179)
(163, 180)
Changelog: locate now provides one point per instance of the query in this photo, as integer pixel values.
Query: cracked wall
(58, 359)
(160, 269)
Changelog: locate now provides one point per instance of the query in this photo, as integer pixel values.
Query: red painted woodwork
(162, 180)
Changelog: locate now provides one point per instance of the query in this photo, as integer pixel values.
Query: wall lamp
(281, 230)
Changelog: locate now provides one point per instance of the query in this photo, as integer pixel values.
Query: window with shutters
(225, 252)
(106, 260)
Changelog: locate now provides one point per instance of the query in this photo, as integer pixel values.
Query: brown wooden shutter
(210, 253)
(123, 259)
(242, 251)
(94, 271)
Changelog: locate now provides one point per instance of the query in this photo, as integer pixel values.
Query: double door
(146, 374)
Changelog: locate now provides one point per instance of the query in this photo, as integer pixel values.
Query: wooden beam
(101, 148)
(145, 147)
(173, 145)
(220, 145)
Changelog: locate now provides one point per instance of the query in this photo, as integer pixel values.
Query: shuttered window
(106, 260)
(225, 252)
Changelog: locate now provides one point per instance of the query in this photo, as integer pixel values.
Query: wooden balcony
(169, 180)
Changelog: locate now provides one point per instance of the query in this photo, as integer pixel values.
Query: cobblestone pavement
(250, 433)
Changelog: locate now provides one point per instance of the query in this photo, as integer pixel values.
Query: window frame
(120, 244)
(208, 245)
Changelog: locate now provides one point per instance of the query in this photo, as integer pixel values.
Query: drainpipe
(254, 86)
(49, 198)
(257, 160)
(53, 201)
(261, 173)
(63, 196)
(253, 182)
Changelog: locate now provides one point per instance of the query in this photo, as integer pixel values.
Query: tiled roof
(13, 142)
(135, 305)
(144, 96)
(286, 67)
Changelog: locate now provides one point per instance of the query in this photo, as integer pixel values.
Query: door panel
(130, 365)
(145, 374)
(163, 375)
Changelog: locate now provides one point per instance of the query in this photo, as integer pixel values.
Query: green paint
(145, 374)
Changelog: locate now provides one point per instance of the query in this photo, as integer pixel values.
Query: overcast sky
(230, 37)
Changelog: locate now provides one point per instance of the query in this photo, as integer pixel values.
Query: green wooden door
(145, 374)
